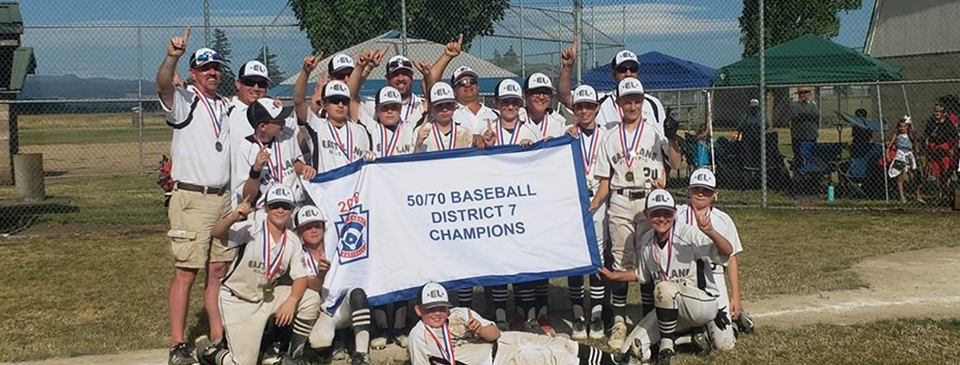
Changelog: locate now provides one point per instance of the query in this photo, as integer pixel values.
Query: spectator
(804, 119)
(749, 129)
(941, 141)
(861, 136)
(904, 161)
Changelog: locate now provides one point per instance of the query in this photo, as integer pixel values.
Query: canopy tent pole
(883, 145)
(906, 100)
(713, 161)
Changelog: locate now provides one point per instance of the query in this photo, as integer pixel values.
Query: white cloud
(658, 19)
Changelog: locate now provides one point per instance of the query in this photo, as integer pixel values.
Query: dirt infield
(99, 159)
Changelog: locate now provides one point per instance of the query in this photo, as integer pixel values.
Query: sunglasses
(337, 100)
(466, 82)
(250, 82)
(395, 64)
(281, 205)
(625, 69)
(662, 213)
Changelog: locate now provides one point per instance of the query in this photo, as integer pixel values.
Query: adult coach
(676, 259)
(623, 65)
(399, 75)
(631, 162)
(201, 172)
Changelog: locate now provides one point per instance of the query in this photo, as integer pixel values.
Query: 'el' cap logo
(511, 87)
(258, 67)
(584, 93)
(660, 198)
(310, 213)
(339, 87)
(702, 177)
(442, 92)
(393, 94)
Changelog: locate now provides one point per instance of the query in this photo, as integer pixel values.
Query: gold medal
(219, 146)
(268, 293)
(629, 176)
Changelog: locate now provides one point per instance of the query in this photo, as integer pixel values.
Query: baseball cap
(629, 86)
(336, 88)
(660, 199)
(204, 56)
(508, 89)
(253, 69)
(703, 178)
(340, 62)
(398, 62)
(266, 110)
(754, 102)
(461, 72)
(624, 56)
(279, 194)
(585, 94)
(804, 89)
(308, 214)
(537, 80)
(440, 93)
(433, 295)
(388, 95)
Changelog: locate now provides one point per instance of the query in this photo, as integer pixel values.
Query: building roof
(901, 28)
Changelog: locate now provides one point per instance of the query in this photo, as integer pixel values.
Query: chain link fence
(90, 109)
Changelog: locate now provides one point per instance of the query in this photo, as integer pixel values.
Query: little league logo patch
(353, 244)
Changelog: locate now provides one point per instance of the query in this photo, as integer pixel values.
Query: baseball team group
(238, 210)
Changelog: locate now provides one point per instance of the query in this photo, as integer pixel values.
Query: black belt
(632, 194)
(215, 190)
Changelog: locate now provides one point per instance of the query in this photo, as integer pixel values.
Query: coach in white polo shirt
(623, 65)
(399, 76)
(201, 171)
(470, 112)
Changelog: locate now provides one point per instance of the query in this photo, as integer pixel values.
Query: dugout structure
(15, 63)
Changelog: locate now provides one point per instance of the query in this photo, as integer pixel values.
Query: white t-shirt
(552, 125)
(721, 222)
(456, 137)
(647, 157)
(332, 147)
(385, 142)
(198, 129)
(520, 132)
(679, 263)
(476, 123)
(467, 348)
(247, 276)
(284, 151)
(590, 153)
(410, 111)
(609, 114)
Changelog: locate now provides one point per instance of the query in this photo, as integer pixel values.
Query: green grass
(98, 135)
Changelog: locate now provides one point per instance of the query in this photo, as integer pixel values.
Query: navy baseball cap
(266, 110)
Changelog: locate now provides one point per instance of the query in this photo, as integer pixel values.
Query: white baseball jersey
(410, 111)
(400, 140)
(332, 147)
(551, 125)
(520, 131)
(240, 127)
(590, 152)
(200, 148)
(646, 148)
(284, 151)
(467, 348)
(456, 137)
(247, 277)
(476, 123)
(610, 115)
(677, 261)
(721, 221)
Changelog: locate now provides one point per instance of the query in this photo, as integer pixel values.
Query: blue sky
(703, 31)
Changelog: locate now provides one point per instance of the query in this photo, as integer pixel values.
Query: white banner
(462, 218)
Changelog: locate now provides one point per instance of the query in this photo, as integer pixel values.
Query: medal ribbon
(311, 261)
(439, 140)
(445, 346)
(217, 122)
(543, 126)
(348, 150)
(501, 131)
(272, 265)
(692, 218)
(388, 147)
(276, 162)
(628, 152)
(656, 256)
(409, 108)
(588, 154)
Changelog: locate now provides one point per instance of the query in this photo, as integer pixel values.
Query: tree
(788, 19)
(273, 69)
(333, 25)
(222, 45)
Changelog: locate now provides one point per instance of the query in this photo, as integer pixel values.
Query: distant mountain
(74, 87)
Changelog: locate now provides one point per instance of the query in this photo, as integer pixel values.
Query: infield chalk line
(858, 304)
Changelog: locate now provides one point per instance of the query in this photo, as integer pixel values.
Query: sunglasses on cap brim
(251, 82)
(395, 64)
(207, 57)
(337, 100)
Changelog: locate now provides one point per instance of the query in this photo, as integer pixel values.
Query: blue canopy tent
(658, 71)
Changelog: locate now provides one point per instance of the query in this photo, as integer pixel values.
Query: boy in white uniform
(440, 132)
(336, 140)
(452, 336)
(676, 258)
(266, 251)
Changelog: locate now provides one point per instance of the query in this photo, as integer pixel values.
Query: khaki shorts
(192, 216)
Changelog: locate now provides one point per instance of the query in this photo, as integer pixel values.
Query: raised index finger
(460, 40)
(186, 33)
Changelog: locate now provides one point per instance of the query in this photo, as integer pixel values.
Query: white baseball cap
(660, 199)
(585, 94)
(433, 295)
(204, 56)
(279, 194)
(340, 62)
(508, 89)
(703, 178)
(629, 86)
(461, 72)
(538, 80)
(754, 102)
(336, 88)
(308, 214)
(440, 93)
(253, 69)
(266, 110)
(388, 95)
(624, 56)
(398, 62)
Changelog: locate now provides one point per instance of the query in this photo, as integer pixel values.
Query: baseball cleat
(596, 329)
(545, 325)
(339, 351)
(517, 323)
(401, 340)
(579, 327)
(359, 358)
(180, 355)
(618, 333)
(503, 325)
(379, 343)
(271, 355)
(665, 357)
(701, 341)
(533, 326)
(745, 324)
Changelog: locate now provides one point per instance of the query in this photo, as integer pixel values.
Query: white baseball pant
(696, 308)
(244, 321)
